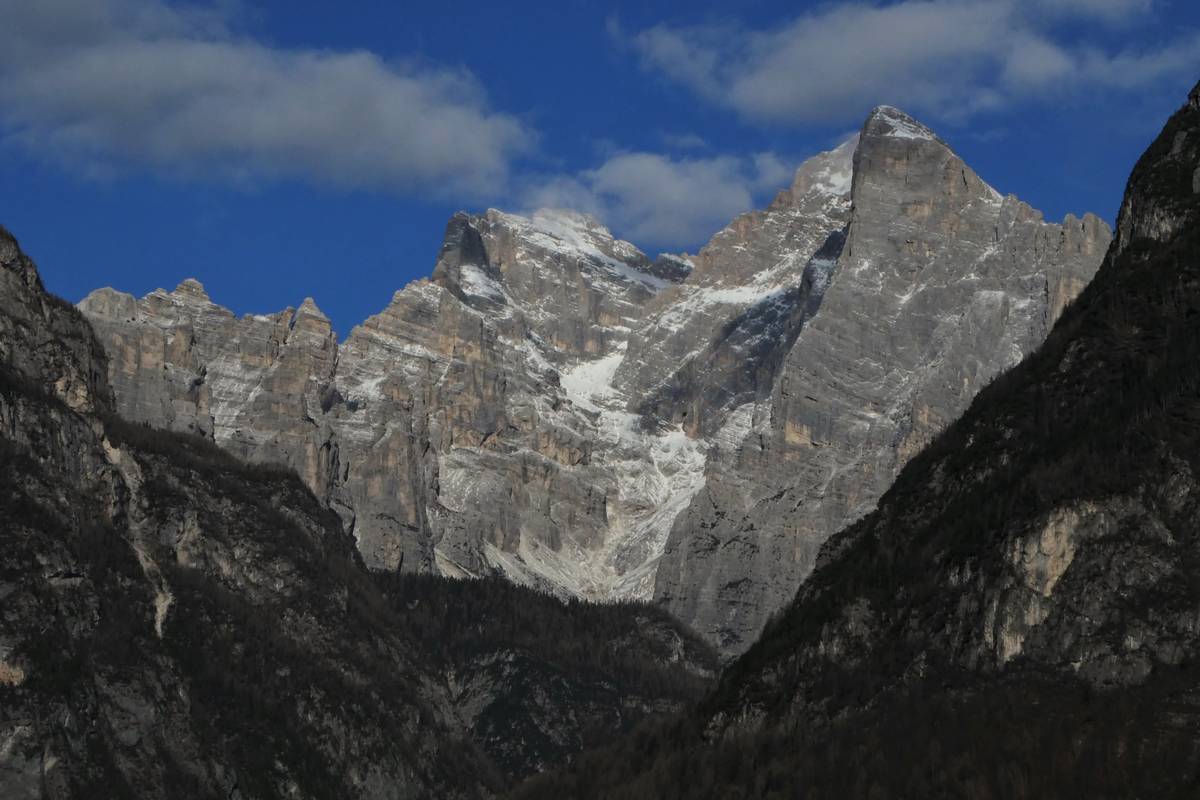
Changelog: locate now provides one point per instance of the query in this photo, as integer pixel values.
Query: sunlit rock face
(940, 285)
(554, 405)
(470, 426)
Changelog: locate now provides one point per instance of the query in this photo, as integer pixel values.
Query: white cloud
(140, 82)
(1035, 62)
(948, 58)
(659, 201)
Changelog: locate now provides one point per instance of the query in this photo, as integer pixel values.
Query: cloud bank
(661, 201)
(950, 58)
(139, 82)
(104, 85)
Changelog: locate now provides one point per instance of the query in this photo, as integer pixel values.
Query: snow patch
(655, 475)
(579, 236)
(476, 282)
(768, 285)
(836, 174)
(903, 126)
(592, 381)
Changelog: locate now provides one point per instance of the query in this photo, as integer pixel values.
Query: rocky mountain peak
(1164, 187)
(8, 246)
(902, 168)
(309, 308)
(892, 122)
(825, 175)
(932, 284)
(559, 221)
(150, 581)
(461, 243)
(192, 290)
(555, 406)
(309, 319)
(574, 234)
(44, 341)
(1017, 618)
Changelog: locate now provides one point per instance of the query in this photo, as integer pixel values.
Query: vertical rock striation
(941, 284)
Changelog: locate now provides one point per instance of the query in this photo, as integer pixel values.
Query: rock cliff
(554, 406)
(940, 285)
(178, 623)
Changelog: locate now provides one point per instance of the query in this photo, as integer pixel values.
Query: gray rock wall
(554, 405)
(941, 285)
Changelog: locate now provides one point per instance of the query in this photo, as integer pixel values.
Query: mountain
(937, 285)
(178, 623)
(1018, 618)
(453, 432)
(554, 406)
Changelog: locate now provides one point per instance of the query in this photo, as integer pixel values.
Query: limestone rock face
(553, 405)
(454, 431)
(254, 384)
(941, 285)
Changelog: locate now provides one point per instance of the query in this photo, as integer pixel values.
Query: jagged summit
(553, 219)
(891, 121)
(577, 234)
(308, 318)
(553, 405)
(926, 283)
(151, 581)
(8, 243)
(191, 288)
(309, 307)
(568, 225)
(1018, 616)
(826, 174)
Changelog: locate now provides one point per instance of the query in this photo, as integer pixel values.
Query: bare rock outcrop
(553, 405)
(941, 285)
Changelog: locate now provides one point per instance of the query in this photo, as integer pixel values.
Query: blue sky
(281, 149)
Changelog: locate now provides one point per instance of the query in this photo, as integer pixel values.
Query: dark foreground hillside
(1021, 616)
(175, 623)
